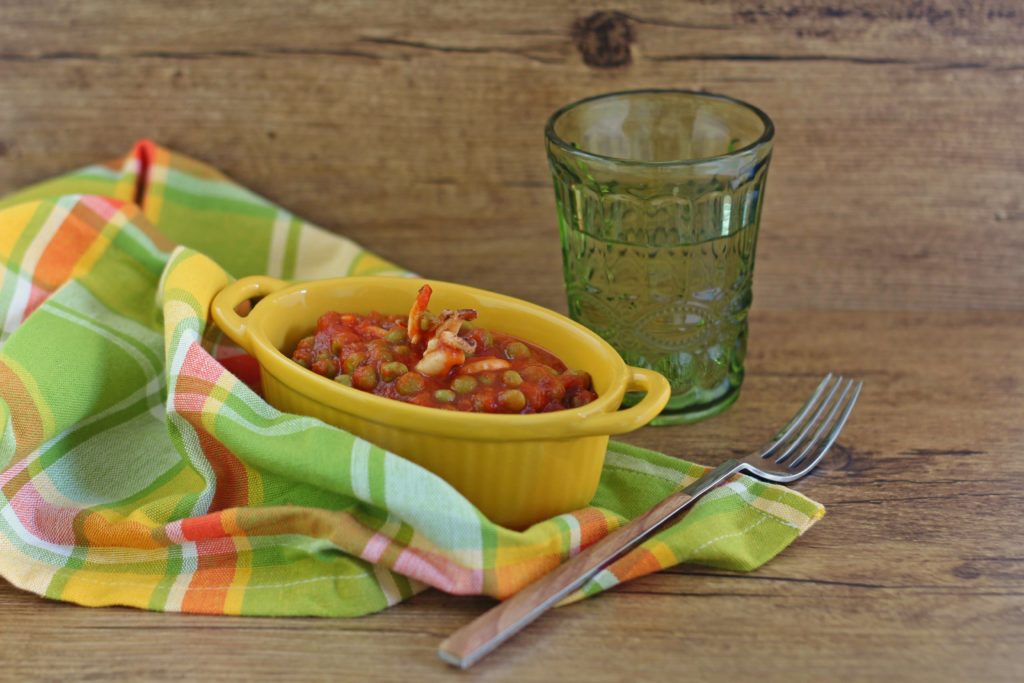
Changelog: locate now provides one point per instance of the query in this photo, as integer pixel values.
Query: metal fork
(793, 452)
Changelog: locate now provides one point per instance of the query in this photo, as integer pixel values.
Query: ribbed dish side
(513, 483)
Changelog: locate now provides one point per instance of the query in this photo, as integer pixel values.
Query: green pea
(486, 378)
(410, 383)
(580, 399)
(512, 378)
(353, 361)
(344, 379)
(444, 395)
(378, 349)
(393, 370)
(427, 320)
(517, 350)
(512, 400)
(401, 350)
(464, 384)
(327, 367)
(487, 339)
(396, 335)
(365, 377)
(533, 373)
(579, 377)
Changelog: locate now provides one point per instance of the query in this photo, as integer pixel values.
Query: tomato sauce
(446, 363)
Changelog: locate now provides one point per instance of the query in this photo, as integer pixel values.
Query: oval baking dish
(517, 469)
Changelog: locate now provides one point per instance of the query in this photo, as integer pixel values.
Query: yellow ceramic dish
(517, 469)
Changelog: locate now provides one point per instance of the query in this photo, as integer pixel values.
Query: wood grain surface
(895, 180)
(891, 249)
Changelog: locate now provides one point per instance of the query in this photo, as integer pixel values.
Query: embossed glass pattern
(659, 197)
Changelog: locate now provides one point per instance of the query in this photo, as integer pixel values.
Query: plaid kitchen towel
(137, 467)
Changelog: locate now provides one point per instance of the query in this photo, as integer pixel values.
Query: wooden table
(891, 250)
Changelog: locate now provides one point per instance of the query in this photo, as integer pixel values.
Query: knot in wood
(604, 39)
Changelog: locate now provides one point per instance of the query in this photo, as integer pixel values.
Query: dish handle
(228, 299)
(657, 392)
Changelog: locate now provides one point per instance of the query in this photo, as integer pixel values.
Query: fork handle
(474, 640)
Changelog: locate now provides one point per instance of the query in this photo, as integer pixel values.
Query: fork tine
(844, 413)
(797, 419)
(821, 427)
(798, 440)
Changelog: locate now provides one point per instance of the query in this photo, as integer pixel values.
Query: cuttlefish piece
(446, 348)
(485, 365)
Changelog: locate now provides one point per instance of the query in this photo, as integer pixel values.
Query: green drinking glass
(659, 196)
